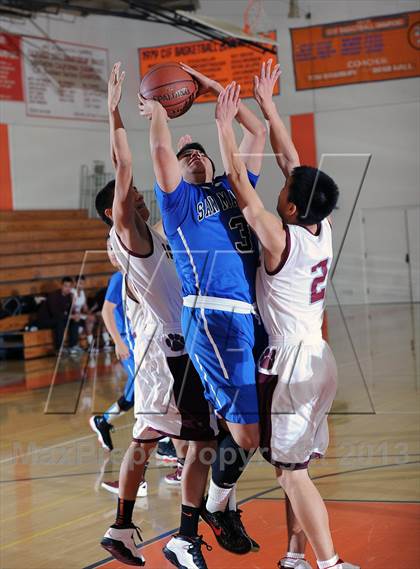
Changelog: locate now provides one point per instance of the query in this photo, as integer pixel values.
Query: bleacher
(38, 248)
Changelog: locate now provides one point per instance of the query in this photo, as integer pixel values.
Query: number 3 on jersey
(245, 244)
(317, 290)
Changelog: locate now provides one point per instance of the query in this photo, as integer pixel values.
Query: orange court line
(6, 196)
(374, 535)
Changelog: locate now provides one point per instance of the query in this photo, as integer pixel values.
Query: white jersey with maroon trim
(153, 279)
(291, 300)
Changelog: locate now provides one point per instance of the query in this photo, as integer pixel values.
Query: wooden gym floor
(53, 511)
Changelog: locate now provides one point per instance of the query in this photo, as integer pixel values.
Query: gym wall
(380, 118)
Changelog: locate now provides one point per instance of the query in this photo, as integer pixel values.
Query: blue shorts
(220, 345)
(130, 368)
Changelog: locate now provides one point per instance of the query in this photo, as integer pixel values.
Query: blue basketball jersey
(214, 249)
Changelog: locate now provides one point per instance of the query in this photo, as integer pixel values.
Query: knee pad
(125, 405)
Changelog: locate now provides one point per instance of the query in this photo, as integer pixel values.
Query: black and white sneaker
(103, 429)
(121, 545)
(185, 552)
(235, 518)
(225, 528)
(166, 451)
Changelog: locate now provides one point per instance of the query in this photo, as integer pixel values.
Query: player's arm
(108, 317)
(120, 152)
(281, 142)
(130, 228)
(254, 132)
(268, 228)
(165, 162)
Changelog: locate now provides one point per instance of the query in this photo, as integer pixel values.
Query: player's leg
(220, 346)
(184, 549)
(101, 424)
(119, 539)
(220, 511)
(296, 540)
(312, 515)
(181, 448)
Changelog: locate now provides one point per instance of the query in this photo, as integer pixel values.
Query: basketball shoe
(227, 530)
(175, 477)
(289, 563)
(185, 552)
(166, 451)
(121, 545)
(103, 429)
(114, 488)
(234, 516)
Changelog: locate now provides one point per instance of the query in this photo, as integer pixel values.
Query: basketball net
(256, 21)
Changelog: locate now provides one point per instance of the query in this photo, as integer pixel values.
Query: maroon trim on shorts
(284, 256)
(155, 440)
(266, 384)
(267, 358)
(295, 466)
(138, 254)
(189, 398)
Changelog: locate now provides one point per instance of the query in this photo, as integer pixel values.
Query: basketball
(173, 87)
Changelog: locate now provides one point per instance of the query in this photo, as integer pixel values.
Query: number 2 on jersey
(317, 290)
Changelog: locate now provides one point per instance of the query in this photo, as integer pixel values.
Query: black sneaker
(183, 552)
(103, 429)
(166, 451)
(226, 531)
(119, 542)
(236, 521)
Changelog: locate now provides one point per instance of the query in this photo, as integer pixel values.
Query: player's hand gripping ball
(173, 87)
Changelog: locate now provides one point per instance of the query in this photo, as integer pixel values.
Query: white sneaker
(293, 563)
(121, 545)
(114, 488)
(185, 552)
(343, 565)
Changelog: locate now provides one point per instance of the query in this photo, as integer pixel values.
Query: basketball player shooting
(169, 398)
(298, 374)
(216, 258)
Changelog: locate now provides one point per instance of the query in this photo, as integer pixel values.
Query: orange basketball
(173, 87)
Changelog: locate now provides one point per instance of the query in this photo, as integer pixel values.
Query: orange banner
(358, 51)
(221, 62)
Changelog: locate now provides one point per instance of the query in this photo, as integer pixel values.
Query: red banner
(359, 51)
(10, 68)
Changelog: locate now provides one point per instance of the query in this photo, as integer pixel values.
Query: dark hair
(103, 201)
(195, 146)
(314, 194)
(66, 280)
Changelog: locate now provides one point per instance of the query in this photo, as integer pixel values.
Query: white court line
(43, 449)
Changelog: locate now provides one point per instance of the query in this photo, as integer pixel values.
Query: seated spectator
(80, 311)
(89, 314)
(55, 312)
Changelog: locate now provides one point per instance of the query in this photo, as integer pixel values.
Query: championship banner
(10, 68)
(224, 63)
(358, 51)
(65, 80)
